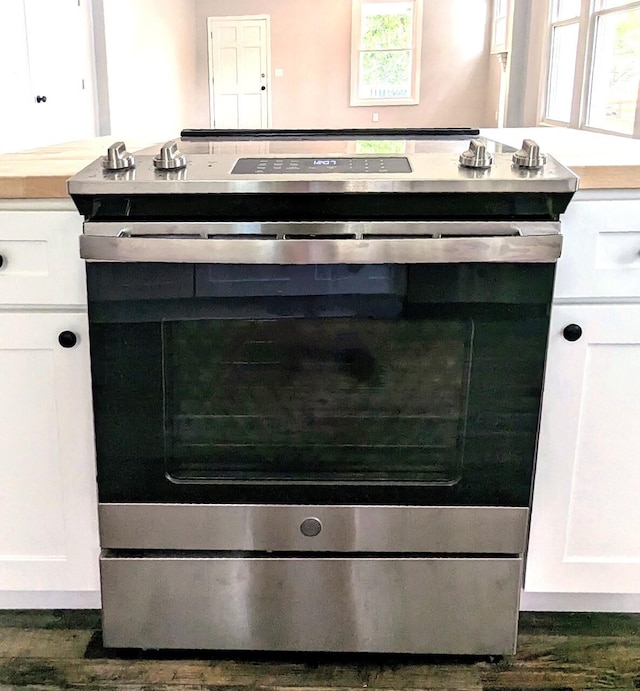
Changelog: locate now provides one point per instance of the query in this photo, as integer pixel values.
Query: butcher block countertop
(602, 161)
(43, 173)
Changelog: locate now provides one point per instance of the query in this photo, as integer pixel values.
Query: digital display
(304, 166)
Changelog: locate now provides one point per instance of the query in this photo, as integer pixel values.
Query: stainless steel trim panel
(322, 243)
(410, 605)
(358, 230)
(277, 528)
(431, 172)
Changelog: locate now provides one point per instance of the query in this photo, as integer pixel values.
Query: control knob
(118, 158)
(169, 157)
(529, 156)
(476, 156)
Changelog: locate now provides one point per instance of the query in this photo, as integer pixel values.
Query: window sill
(381, 102)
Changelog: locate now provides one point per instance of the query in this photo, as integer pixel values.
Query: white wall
(150, 60)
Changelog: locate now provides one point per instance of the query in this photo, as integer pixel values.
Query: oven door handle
(322, 243)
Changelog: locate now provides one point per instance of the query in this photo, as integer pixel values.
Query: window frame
(585, 58)
(416, 56)
(500, 46)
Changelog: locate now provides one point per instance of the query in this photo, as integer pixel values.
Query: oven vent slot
(319, 236)
(513, 233)
(241, 236)
(163, 236)
(396, 236)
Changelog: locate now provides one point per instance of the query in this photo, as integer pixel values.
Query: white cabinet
(584, 544)
(40, 259)
(47, 478)
(48, 515)
(601, 252)
(585, 524)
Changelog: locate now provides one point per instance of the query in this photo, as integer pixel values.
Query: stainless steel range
(317, 361)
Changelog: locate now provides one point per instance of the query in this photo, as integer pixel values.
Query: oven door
(329, 383)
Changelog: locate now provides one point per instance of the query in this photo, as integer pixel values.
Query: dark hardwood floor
(48, 650)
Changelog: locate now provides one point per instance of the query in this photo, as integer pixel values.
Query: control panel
(330, 164)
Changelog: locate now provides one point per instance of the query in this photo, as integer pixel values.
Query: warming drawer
(392, 605)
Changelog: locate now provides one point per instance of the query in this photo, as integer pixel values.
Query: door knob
(41, 99)
(67, 339)
(572, 332)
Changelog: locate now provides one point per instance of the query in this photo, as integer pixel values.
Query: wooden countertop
(602, 161)
(43, 173)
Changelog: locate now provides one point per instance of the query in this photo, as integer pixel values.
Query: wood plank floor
(556, 652)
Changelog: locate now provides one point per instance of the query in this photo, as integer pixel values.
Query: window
(613, 99)
(385, 52)
(499, 26)
(593, 80)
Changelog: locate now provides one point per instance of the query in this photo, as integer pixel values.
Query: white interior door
(14, 76)
(60, 67)
(239, 72)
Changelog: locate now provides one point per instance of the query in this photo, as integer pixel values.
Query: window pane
(385, 74)
(566, 9)
(609, 4)
(564, 44)
(616, 72)
(386, 25)
(500, 31)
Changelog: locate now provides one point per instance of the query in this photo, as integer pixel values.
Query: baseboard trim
(54, 599)
(579, 602)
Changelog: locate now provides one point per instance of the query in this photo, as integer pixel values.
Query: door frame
(211, 21)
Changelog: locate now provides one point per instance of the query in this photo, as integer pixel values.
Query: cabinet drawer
(601, 251)
(41, 262)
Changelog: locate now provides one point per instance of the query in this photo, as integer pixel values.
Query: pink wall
(150, 62)
(310, 41)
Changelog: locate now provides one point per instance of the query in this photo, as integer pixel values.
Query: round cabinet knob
(118, 158)
(572, 332)
(476, 156)
(170, 158)
(41, 99)
(310, 527)
(529, 156)
(67, 339)
(2, 261)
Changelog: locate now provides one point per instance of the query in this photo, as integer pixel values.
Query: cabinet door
(601, 250)
(585, 524)
(48, 521)
(40, 259)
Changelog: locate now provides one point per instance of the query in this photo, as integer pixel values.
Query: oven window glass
(379, 385)
(315, 400)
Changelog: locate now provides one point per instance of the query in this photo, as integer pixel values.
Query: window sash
(385, 95)
(591, 10)
(595, 80)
